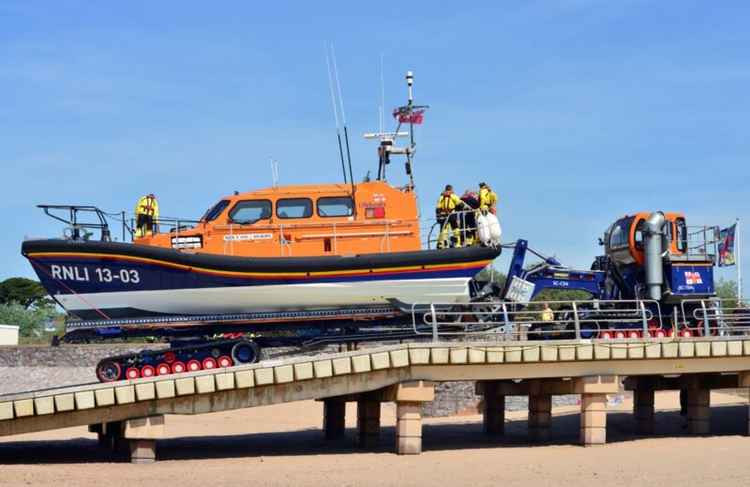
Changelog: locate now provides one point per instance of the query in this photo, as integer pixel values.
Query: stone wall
(65, 355)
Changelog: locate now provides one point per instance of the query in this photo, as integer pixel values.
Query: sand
(283, 445)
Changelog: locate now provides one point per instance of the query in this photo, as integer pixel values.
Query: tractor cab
(658, 256)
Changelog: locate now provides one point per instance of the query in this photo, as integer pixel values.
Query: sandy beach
(283, 445)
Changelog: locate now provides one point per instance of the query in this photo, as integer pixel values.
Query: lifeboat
(278, 249)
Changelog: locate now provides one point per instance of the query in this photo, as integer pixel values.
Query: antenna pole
(343, 116)
(409, 83)
(335, 114)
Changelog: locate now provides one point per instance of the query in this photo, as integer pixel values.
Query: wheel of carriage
(178, 367)
(148, 371)
(193, 365)
(658, 333)
(224, 361)
(163, 369)
(209, 363)
(620, 334)
(169, 357)
(634, 334)
(132, 373)
(108, 371)
(606, 334)
(245, 352)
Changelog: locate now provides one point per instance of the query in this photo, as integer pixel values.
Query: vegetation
(24, 292)
(727, 291)
(24, 303)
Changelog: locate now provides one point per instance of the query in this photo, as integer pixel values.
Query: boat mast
(411, 114)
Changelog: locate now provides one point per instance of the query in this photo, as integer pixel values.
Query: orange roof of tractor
(301, 220)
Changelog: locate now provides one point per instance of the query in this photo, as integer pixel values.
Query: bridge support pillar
(409, 397)
(593, 419)
(109, 435)
(540, 416)
(142, 434)
(368, 422)
(409, 428)
(334, 418)
(493, 409)
(643, 406)
(594, 390)
(698, 410)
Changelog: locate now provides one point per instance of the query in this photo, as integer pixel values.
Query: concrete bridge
(131, 413)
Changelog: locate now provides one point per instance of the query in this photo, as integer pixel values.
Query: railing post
(576, 321)
(434, 323)
(706, 327)
(507, 326)
(644, 321)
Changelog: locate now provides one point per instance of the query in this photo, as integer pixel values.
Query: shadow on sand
(725, 421)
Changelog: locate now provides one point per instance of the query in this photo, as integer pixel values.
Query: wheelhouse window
(294, 208)
(214, 212)
(250, 211)
(335, 206)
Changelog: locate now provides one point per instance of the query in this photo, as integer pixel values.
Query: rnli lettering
(248, 236)
(100, 274)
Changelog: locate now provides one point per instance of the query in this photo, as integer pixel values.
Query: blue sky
(576, 111)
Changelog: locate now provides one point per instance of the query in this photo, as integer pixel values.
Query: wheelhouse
(304, 220)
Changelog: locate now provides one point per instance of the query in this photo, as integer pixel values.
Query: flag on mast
(726, 247)
(409, 114)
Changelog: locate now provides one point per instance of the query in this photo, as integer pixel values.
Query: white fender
(483, 229)
(494, 228)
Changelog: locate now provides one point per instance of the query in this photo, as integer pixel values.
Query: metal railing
(702, 241)
(570, 320)
(434, 228)
(715, 317)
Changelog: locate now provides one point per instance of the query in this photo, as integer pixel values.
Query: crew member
(146, 214)
(547, 314)
(487, 199)
(469, 221)
(447, 218)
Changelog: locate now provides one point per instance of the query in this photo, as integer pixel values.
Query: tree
(727, 291)
(490, 274)
(30, 322)
(25, 292)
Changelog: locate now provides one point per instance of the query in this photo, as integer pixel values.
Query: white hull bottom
(287, 297)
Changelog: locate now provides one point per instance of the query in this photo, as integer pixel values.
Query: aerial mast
(411, 114)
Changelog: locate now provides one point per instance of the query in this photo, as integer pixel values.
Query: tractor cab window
(216, 210)
(620, 233)
(335, 206)
(294, 208)
(250, 211)
(638, 235)
(682, 238)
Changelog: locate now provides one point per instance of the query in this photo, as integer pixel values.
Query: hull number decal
(99, 274)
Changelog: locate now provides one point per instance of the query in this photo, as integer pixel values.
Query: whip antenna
(335, 113)
(343, 115)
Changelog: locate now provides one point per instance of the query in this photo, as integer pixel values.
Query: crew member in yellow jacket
(487, 199)
(445, 212)
(146, 214)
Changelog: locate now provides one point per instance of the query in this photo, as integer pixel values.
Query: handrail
(575, 319)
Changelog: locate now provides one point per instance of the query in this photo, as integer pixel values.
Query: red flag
(406, 115)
